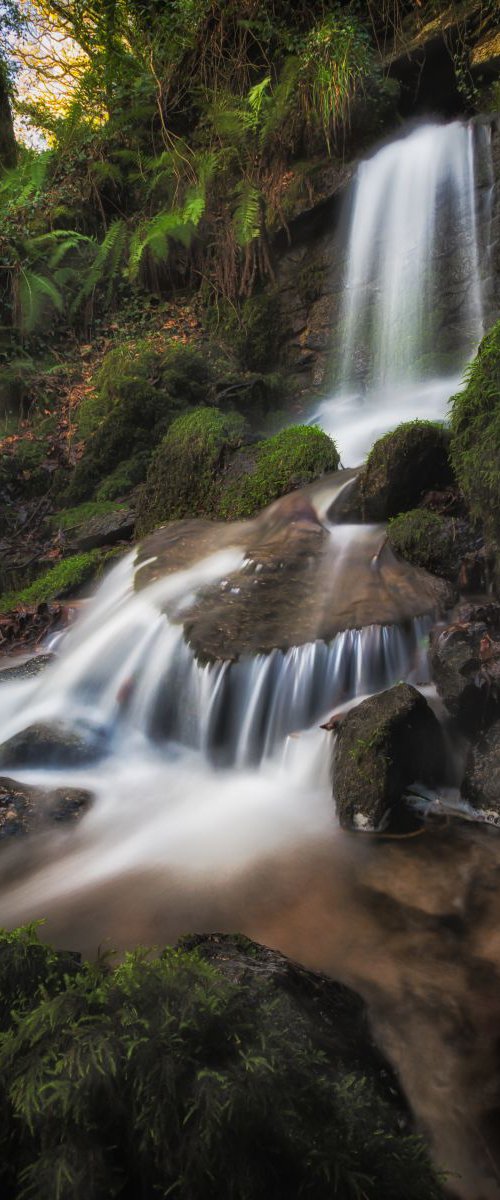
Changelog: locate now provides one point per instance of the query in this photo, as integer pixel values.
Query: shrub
(288, 460)
(424, 539)
(163, 1078)
(475, 434)
(186, 467)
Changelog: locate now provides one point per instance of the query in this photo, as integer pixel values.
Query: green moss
(66, 578)
(138, 393)
(402, 466)
(289, 459)
(475, 441)
(124, 478)
(165, 1077)
(71, 518)
(185, 470)
(424, 539)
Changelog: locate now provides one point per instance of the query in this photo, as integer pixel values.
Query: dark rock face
(41, 744)
(24, 809)
(103, 530)
(336, 1016)
(383, 745)
(402, 467)
(465, 662)
(481, 782)
(26, 670)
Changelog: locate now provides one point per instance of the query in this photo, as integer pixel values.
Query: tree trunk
(8, 148)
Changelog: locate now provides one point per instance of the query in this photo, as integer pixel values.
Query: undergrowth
(162, 1077)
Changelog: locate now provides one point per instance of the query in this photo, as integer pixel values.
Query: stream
(211, 779)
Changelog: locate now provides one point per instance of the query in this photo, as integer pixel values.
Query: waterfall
(416, 262)
(127, 673)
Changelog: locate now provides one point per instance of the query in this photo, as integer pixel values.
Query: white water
(412, 310)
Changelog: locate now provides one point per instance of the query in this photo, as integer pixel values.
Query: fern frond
(34, 293)
(109, 255)
(246, 216)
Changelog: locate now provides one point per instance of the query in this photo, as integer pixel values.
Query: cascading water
(212, 805)
(416, 263)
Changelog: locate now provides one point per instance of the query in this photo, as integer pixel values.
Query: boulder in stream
(465, 662)
(382, 746)
(402, 467)
(55, 745)
(481, 782)
(25, 808)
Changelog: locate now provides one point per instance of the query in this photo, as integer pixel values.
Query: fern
(35, 291)
(109, 255)
(247, 214)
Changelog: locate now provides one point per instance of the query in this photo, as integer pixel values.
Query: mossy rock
(67, 578)
(71, 518)
(184, 474)
(262, 473)
(125, 477)
(425, 539)
(132, 409)
(475, 434)
(383, 745)
(402, 466)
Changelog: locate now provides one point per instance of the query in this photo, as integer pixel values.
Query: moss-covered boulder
(382, 746)
(425, 539)
(475, 434)
(185, 471)
(137, 395)
(275, 466)
(402, 466)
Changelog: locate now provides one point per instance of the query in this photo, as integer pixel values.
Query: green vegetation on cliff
(64, 579)
(475, 442)
(163, 1077)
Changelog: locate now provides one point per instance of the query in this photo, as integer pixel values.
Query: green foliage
(475, 440)
(424, 539)
(185, 470)
(124, 478)
(138, 392)
(71, 518)
(66, 578)
(279, 464)
(165, 1078)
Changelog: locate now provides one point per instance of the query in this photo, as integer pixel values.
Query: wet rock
(105, 529)
(481, 782)
(465, 663)
(335, 1016)
(25, 809)
(57, 744)
(402, 467)
(26, 670)
(382, 746)
(288, 590)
